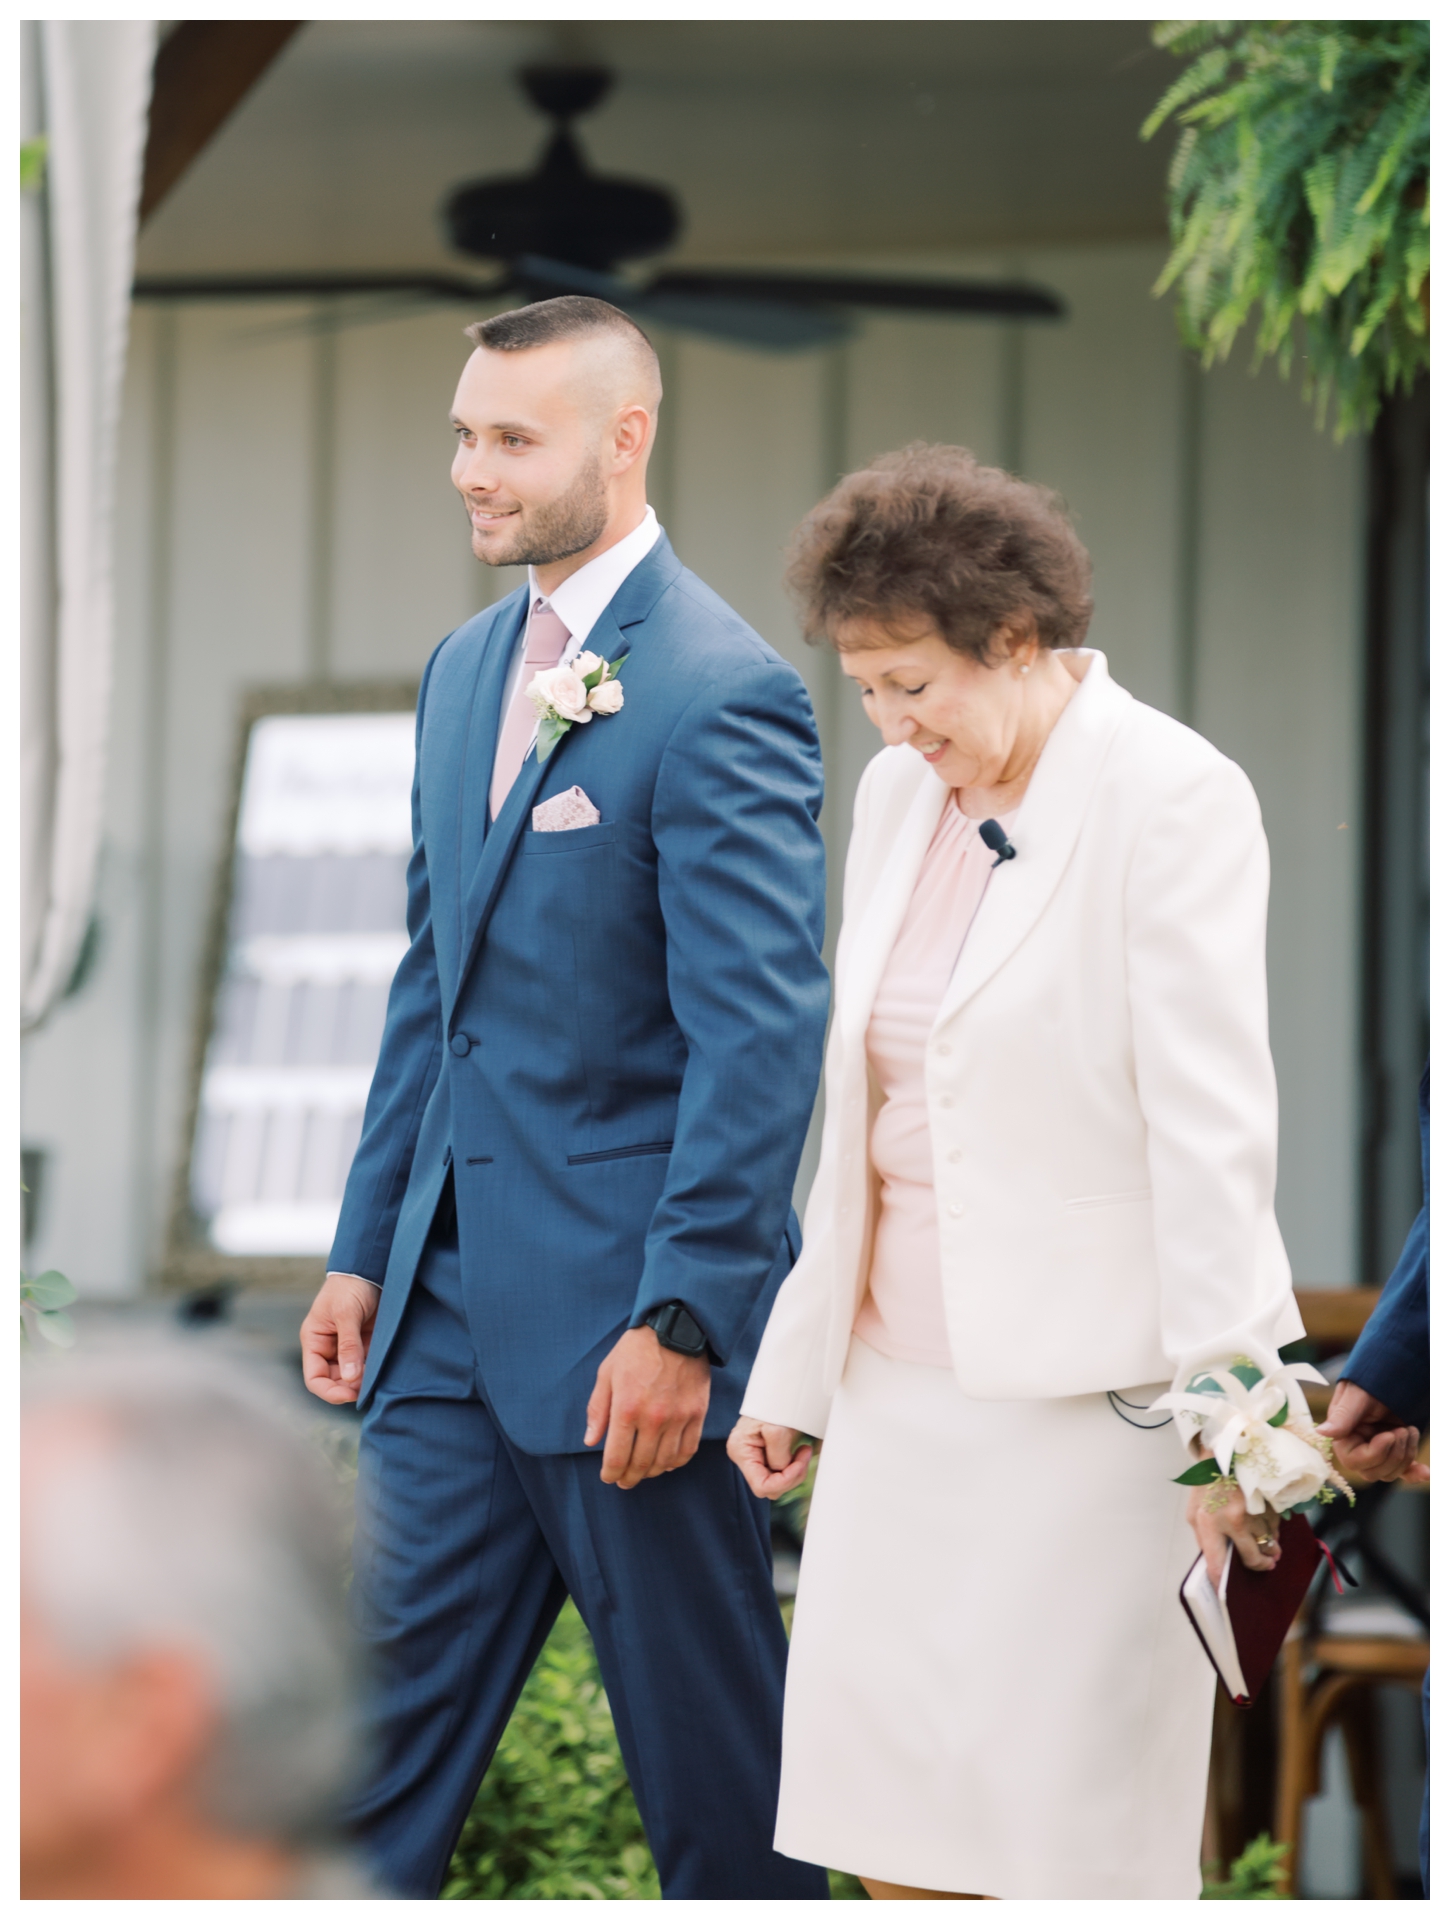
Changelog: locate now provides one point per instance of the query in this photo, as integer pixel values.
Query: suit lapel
(498, 846)
(879, 922)
(631, 605)
(1045, 833)
(485, 717)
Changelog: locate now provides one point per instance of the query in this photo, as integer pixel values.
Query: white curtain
(86, 85)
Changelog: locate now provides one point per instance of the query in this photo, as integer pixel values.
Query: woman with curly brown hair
(1045, 1193)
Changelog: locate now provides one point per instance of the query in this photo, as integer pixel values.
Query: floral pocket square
(565, 811)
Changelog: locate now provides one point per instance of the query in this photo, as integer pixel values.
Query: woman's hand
(1220, 1519)
(769, 1457)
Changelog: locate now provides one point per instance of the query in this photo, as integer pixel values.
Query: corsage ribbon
(1224, 1419)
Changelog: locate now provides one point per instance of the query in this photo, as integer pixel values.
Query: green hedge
(555, 1818)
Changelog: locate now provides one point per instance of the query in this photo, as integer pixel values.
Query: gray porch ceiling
(786, 141)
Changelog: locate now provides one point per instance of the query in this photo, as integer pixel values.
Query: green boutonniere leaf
(551, 731)
(1278, 1419)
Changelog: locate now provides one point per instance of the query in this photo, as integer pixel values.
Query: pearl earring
(1026, 669)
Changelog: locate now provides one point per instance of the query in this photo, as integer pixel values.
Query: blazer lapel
(879, 919)
(1045, 833)
(631, 605)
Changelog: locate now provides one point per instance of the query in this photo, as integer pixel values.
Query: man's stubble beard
(565, 526)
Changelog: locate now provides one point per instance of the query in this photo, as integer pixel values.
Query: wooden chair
(1324, 1680)
(1328, 1679)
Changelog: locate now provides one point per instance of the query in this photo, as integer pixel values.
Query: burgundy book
(1245, 1620)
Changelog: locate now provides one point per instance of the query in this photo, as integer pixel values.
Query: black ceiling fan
(564, 228)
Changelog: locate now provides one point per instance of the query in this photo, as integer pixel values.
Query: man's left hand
(648, 1406)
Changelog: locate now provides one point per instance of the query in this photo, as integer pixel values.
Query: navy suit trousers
(465, 1551)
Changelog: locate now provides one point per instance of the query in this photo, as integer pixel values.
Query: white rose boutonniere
(571, 695)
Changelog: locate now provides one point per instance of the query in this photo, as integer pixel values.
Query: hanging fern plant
(1300, 185)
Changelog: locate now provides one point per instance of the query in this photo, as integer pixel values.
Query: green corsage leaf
(1201, 1474)
(1278, 1419)
(1247, 1372)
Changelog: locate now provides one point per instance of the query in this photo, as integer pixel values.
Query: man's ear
(633, 433)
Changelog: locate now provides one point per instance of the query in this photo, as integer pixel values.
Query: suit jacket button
(460, 1044)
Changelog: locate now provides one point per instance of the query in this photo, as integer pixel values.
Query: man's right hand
(336, 1335)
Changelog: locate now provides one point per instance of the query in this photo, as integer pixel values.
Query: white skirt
(993, 1688)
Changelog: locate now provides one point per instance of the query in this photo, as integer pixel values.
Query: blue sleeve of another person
(1391, 1359)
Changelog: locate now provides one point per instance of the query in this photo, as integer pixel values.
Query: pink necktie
(544, 648)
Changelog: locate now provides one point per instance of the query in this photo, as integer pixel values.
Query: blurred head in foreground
(185, 1662)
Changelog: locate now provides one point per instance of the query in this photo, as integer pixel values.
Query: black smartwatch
(677, 1328)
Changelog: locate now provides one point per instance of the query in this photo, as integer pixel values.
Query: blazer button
(461, 1044)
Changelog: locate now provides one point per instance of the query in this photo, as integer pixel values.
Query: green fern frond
(1299, 193)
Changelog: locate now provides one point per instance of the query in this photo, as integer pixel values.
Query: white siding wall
(287, 513)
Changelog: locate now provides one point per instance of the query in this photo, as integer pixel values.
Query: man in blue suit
(569, 1211)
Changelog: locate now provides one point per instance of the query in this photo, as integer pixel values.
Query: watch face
(677, 1328)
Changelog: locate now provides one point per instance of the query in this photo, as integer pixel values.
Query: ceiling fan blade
(312, 286)
(774, 325)
(990, 299)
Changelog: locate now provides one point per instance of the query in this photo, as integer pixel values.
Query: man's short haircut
(193, 1513)
(931, 535)
(571, 316)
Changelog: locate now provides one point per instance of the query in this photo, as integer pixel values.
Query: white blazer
(1102, 1106)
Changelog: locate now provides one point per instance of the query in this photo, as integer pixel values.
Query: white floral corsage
(571, 695)
(1259, 1436)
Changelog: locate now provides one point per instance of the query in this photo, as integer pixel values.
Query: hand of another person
(651, 1404)
(1368, 1440)
(336, 1335)
(769, 1456)
(1226, 1522)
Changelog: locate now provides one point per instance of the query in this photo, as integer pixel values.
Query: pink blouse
(903, 1314)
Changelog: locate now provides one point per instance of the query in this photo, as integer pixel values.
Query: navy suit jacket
(612, 1034)
(1391, 1358)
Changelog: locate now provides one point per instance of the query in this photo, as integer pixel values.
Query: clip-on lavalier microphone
(997, 842)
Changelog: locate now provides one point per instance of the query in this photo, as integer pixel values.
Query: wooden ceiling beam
(204, 70)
